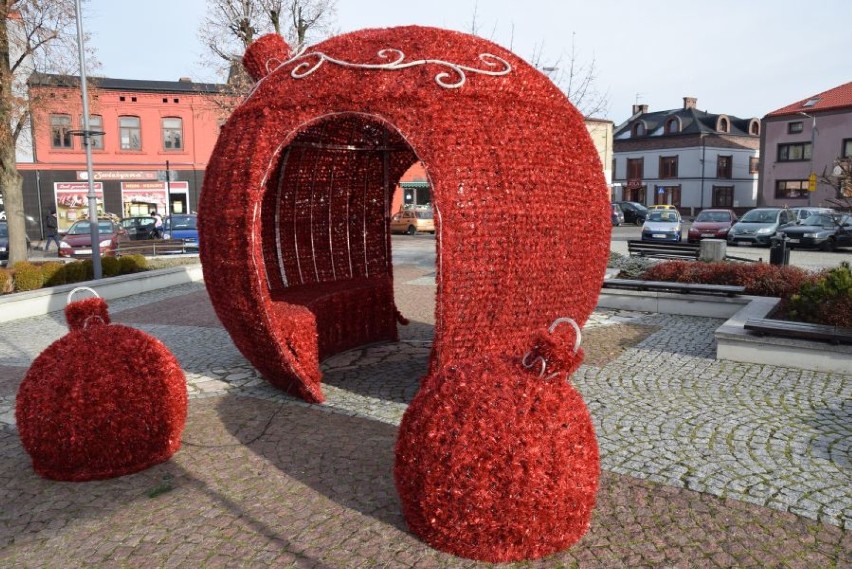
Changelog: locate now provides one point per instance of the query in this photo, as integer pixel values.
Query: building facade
(801, 145)
(151, 142)
(688, 158)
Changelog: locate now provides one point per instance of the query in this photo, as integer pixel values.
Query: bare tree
(840, 178)
(230, 26)
(576, 78)
(35, 35)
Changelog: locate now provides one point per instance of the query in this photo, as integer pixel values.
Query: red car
(711, 224)
(77, 241)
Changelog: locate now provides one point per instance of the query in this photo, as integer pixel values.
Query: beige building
(601, 132)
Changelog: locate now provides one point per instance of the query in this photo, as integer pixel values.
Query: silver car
(757, 226)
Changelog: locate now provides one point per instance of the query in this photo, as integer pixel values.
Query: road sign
(812, 182)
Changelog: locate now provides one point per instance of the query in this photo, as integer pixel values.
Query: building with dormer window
(687, 158)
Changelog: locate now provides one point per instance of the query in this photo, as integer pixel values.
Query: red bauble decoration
(103, 401)
(496, 463)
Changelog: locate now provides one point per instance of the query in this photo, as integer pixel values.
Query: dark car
(634, 212)
(617, 215)
(182, 226)
(4, 241)
(77, 241)
(824, 231)
(757, 226)
(139, 228)
(711, 224)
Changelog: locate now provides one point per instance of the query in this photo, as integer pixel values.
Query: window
(847, 148)
(635, 168)
(793, 152)
(794, 127)
(754, 127)
(172, 134)
(60, 131)
(723, 196)
(129, 132)
(96, 124)
(723, 125)
(791, 189)
(753, 164)
(638, 129)
(724, 167)
(672, 126)
(668, 166)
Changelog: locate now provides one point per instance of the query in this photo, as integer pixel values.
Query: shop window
(172, 133)
(130, 133)
(60, 131)
(724, 167)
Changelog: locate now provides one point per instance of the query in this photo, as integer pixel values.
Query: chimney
(689, 103)
(185, 80)
(640, 109)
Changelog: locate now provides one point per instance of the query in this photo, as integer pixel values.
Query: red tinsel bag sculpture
(497, 458)
(103, 401)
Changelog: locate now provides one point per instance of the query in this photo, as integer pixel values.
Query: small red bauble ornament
(103, 401)
(497, 463)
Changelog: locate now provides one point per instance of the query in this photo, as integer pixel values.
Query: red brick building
(156, 143)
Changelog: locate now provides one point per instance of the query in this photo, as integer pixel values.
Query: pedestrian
(158, 224)
(52, 225)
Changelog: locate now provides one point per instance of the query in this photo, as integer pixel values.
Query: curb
(53, 299)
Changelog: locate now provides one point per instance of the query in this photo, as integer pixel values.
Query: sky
(744, 58)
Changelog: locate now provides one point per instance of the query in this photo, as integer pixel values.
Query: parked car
(4, 241)
(757, 226)
(662, 206)
(411, 221)
(825, 231)
(617, 215)
(139, 228)
(711, 224)
(662, 225)
(182, 226)
(77, 241)
(634, 212)
(802, 213)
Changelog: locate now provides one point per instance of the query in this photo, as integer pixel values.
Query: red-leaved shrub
(759, 279)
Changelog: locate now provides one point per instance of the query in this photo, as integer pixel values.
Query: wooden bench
(683, 288)
(802, 330)
(151, 247)
(663, 250)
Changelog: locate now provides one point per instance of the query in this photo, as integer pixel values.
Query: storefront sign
(119, 175)
(141, 198)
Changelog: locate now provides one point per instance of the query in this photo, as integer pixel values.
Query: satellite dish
(837, 171)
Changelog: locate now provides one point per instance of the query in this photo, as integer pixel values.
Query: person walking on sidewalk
(52, 230)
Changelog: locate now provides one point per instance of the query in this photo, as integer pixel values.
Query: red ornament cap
(264, 55)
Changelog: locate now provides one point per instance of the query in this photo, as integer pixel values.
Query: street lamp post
(811, 174)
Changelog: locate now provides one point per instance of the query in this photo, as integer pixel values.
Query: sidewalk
(705, 464)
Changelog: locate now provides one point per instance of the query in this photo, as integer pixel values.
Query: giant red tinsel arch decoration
(496, 459)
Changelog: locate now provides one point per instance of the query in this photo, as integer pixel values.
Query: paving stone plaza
(705, 463)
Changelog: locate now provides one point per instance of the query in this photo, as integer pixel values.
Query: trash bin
(779, 254)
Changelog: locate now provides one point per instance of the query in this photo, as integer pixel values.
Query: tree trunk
(11, 183)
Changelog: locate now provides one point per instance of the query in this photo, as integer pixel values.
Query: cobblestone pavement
(705, 463)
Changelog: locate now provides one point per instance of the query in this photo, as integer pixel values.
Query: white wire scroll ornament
(498, 65)
(529, 363)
